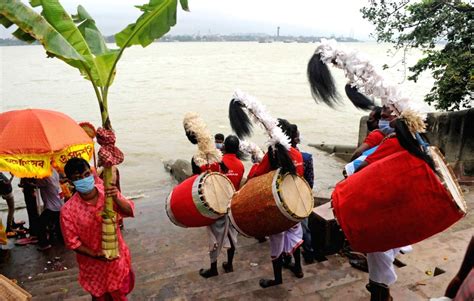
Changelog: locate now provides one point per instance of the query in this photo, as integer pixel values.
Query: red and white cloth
(81, 224)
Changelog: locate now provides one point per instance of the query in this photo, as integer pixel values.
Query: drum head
(217, 190)
(448, 179)
(297, 195)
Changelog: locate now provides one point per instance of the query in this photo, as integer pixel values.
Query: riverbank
(166, 259)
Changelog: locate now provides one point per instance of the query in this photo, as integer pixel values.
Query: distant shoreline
(214, 38)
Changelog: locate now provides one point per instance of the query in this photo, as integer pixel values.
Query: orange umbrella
(32, 140)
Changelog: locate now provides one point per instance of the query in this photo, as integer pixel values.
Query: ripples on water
(156, 86)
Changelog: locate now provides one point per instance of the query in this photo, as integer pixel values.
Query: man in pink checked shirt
(81, 224)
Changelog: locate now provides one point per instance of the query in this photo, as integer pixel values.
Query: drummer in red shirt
(378, 125)
(233, 168)
(290, 240)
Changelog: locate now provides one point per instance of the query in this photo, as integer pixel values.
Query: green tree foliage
(444, 30)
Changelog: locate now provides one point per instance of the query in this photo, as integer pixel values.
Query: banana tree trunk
(109, 216)
(109, 222)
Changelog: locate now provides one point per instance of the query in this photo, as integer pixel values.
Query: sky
(295, 17)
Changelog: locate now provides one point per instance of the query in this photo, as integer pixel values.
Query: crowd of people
(72, 203)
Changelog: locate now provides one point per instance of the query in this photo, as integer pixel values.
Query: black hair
(231, 144)
(75, 165)
(239, 120)
(219, 136)
(191, 137)
(409, 143)
(321, 81)
(358, 99)
(377, 112)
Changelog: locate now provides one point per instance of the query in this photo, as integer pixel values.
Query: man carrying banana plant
(81, 224)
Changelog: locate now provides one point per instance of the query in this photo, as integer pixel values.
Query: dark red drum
(397, 201)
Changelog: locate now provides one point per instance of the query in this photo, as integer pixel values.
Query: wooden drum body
(199, 200)
(270, 204)
(395, 202)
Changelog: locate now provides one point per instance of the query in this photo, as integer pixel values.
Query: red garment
(389, 146)
(264, 166)
(211, 167)
(235, 168)
(128, 284)
(81, 224)
(374, 138)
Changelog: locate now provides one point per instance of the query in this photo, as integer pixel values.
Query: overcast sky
(295, 17)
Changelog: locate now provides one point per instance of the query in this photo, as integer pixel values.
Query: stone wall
(453, 134)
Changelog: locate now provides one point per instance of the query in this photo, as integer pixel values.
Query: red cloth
(388, 147)
(81, 224)
(394, 202)
(374, 138)
(128, 284)
(235, 168)
(211, 167)
(108, 154)
(264, 166)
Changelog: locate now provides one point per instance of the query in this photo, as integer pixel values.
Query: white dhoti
(381, 267)
(215, 234)
(287, 241)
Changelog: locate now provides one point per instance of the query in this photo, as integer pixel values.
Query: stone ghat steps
(333, 279)
(166, 260)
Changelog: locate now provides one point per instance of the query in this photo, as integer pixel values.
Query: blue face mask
(384, 126)
(219, 145)
(84, 185)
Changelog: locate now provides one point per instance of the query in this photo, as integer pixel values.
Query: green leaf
(157, 19)
(83, 41)
(23, 36)
(90, 32)
(36, 26)
(184, 4)
(5, 22)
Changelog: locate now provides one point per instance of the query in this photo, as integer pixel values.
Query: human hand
(112, 191)
(102, 257)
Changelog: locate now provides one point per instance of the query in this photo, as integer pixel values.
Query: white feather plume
(261, 115)
(364, 76)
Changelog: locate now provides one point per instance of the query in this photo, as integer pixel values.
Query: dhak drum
(199, 200)
(397, 201)
(270, 204)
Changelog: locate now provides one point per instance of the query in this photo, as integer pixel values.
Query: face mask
(84, 185)
(219, 145)
(384, 126)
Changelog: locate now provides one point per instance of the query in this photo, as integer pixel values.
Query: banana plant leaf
(97, 68)
(157, 19)
(32, 25)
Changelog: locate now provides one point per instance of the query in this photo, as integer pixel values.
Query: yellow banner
(39, 166)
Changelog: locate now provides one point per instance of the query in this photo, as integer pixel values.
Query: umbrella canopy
(32, 140)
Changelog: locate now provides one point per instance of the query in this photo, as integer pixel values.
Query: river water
(156, 86)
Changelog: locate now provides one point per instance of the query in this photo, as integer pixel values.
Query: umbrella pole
(109, 224)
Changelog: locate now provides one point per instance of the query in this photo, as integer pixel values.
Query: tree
(83, 47)
(444, 30)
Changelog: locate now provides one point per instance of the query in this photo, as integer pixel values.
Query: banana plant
(76, 40)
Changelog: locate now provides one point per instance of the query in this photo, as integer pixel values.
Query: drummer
(381, 270)
(290, 240)
(233, 168)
